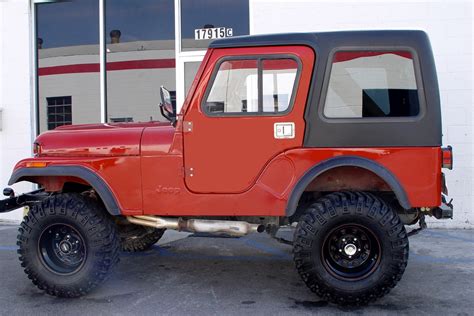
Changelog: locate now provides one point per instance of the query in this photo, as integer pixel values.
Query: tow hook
(422, 224)
(9, 192)
(445, 210)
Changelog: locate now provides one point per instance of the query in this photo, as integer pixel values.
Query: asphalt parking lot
(255, 275)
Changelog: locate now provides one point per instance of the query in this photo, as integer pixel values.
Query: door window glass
(235, 88)
(372, 84)
(279, 77)
(190, 70)
(253, 86)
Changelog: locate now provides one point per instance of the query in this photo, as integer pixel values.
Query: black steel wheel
(351, 252)
(350, 248)
(62, 249)
(68, 244)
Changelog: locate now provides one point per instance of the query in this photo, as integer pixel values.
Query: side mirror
(168, 110)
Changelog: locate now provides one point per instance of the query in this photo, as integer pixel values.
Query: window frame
(418, 80)
(259, 58)
(48, 106)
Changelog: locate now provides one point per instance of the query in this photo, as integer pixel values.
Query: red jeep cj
(338, 132)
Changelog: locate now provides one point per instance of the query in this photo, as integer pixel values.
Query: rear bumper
(445, 210)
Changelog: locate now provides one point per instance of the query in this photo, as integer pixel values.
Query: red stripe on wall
(68, 69)
(141, 64)
(111, 66)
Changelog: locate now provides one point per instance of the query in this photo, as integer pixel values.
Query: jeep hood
(95, 140)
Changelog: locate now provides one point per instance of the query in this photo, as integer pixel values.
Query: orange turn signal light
(36, 164)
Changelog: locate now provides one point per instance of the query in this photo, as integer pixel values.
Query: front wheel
(350, 248)
(68, 245)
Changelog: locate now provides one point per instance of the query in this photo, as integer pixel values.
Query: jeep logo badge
(162, 189)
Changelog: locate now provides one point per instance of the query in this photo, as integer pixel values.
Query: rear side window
(372, 84)
(252, 86)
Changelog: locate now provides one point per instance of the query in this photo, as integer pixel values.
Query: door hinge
(188, 126)
(189, 172)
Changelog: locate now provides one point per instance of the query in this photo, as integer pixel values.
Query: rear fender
(352, 161)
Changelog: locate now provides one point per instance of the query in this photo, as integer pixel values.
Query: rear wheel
(350, 248)
(135, 238)
(68, 245)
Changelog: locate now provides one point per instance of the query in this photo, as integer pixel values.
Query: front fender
(87, 175)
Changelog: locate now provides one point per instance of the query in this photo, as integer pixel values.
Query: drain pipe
(233, 228)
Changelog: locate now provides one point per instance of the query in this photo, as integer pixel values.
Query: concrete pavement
(255, 274)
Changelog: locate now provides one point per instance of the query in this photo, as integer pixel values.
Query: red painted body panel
(157, 140)
(413, 167)
(418, 169)
(239, 168)
(227, 154)
(164, 191)
(121, 174)
(94, 139)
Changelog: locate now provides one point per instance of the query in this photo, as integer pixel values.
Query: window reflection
(140, 54)
(190, 70)
(140, 58)
(68, 62)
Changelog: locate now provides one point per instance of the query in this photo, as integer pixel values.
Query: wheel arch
(346, 161)
(88, 176)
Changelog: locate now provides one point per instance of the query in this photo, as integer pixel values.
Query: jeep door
(247, 108)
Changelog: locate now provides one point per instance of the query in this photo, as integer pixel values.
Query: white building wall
(15, 91)
(449, 26)
(448, 23)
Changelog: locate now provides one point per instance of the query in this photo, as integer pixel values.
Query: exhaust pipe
(233, 228)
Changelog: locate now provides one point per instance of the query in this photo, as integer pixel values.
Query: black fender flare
(97, 183)
(341, 161)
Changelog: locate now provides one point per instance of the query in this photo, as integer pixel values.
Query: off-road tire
(336, 210)
(135, 238)
(89, 222)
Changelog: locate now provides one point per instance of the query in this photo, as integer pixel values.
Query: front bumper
(27, 199)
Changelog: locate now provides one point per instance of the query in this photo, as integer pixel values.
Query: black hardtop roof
(423, 130)
(316, 39)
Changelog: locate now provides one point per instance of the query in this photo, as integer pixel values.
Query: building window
(121, 119)
(68, 59)
(59, 111)
(253, 86)
(372, 84)
(140, 53)
(140, 58)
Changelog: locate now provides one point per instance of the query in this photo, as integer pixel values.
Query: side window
(253, 86)
(235, 88)
(279, 77)
(372, 84)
